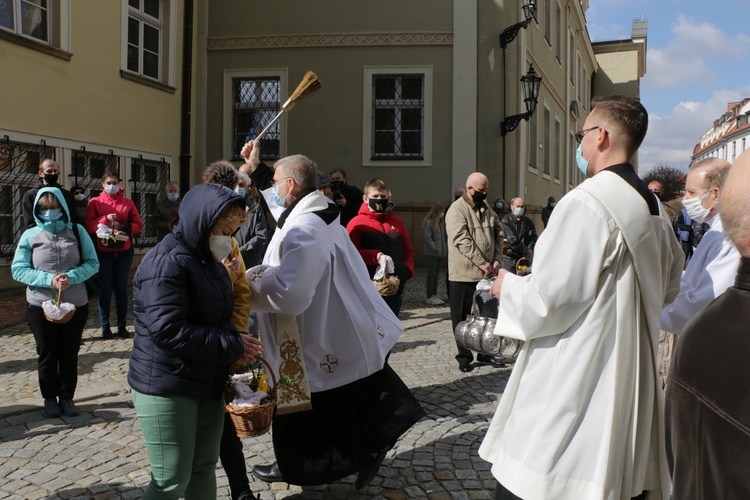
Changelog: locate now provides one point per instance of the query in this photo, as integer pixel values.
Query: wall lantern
(509, 33)
(530, 83)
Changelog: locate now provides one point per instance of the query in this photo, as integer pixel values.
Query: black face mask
(377, 206)
(51, 179)
(478, 197)
(337, 185)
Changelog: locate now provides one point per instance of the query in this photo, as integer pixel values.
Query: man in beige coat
(475, 247)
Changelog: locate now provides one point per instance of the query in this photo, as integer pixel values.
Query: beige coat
(473, 239)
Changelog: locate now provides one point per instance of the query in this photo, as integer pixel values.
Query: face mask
(478, 197)
(51, 215)
(241, 191)
(518, 212)
(376, 205)
(695, 208)
(337, 185)
(499, 206)
(112, 189)
(51, 179)
(220, 246)
(583, 163)
(173, 197)
(80, 197)
(553, 204)
(277, 198)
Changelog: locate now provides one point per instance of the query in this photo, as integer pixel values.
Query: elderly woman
(55, 257)
(185, 343)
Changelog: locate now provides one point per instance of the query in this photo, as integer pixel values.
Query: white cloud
(671, 138)
(696, 54)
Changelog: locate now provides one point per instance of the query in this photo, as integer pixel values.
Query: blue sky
(698, 60)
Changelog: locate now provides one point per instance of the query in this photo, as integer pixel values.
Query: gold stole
(294, 391)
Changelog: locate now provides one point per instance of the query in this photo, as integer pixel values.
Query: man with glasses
(475, 250)
(327, 334)
(582, 414)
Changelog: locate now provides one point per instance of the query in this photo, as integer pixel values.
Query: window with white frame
(149, 40)
(397, 116)
(558, 148)
(559, 45)
(547, 141)
(547, 21)
(571, 58)
(533, 141)
(42, 23)
(257, 101)
(572, 163)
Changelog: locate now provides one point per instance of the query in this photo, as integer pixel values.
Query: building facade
(729, 136)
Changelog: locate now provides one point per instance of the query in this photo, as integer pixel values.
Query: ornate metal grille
(89, 168)
(397, 117)
(256, 102)
(149, 180)
(19, 172)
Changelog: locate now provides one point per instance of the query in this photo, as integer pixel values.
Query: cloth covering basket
(56, 314)
(254, 421)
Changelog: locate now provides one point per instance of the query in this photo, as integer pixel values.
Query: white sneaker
(438, 300)
(434, 301)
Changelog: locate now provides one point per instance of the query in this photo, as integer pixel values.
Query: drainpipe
(185, 112)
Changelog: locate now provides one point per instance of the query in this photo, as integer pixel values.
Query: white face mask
(220, 246)
(695, 208)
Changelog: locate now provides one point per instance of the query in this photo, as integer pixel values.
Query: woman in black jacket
(185, 343)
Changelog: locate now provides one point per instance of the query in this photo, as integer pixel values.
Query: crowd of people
(276, 262)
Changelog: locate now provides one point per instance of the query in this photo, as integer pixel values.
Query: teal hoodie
(49, 249)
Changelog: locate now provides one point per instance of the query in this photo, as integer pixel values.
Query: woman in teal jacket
(48, 260)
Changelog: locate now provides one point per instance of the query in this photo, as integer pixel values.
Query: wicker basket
(68, 316)
(254, 421)
(388, 285)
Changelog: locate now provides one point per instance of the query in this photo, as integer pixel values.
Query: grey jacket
(435, 240)
(473, 239)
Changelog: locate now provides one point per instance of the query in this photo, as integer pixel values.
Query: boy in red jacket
(376, 231)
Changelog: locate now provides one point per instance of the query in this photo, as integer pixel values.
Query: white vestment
(711, 270)
(582, 414)
(311, 270)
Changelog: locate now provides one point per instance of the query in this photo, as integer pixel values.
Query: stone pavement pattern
(100, 454)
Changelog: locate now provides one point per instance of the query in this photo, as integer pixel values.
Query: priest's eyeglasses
(276, 181)
(582, 133)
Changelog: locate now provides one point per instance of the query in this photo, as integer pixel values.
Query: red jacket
(127, 215)
(373, 233)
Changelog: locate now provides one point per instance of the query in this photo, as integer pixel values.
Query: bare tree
(672, 180)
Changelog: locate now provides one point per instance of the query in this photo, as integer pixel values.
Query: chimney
(640, 26)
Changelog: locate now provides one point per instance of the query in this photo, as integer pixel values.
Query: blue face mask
(583, 163)
(112, 189)
(276, 197)
(241, 191)
(51, 215)
(173, 197)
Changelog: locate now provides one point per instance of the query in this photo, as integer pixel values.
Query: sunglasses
(582, 133)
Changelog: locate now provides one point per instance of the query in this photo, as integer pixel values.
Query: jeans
(394, 302)
(433, 267)
(182, 441)
(57, 345)
(114, 268)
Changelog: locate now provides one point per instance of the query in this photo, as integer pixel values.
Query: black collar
(627, 173)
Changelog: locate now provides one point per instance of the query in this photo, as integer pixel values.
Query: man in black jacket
(49, 172)
(348, 198)
(520, 233)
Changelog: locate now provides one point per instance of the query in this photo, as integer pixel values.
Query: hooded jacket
(51, 248)
(127, 215)
(373, 232)
(30, 196)
(182, 305)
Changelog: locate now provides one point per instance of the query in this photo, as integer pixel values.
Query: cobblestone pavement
(100, 454)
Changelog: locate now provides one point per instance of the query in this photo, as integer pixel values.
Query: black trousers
(233, 459)
(460, 296)
(57, 345)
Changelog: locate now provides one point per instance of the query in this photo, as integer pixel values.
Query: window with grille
(256, 102)
(19, 172)
(397, 117)
(89, 168)
(148, 182)
(144, 50)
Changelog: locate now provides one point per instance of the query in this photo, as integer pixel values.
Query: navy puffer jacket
(182, 302)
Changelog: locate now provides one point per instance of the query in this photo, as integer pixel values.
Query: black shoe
(465, 367)
(51, 408)
(268, 473)
(122, 332)
(68, 408)
(107, 333)
(370, 471)
(495, 361)
(246, 495)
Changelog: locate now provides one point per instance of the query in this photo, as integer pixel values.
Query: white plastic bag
(385, 267)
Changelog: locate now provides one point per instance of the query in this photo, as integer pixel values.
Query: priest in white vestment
(327, 334)
(582, 414)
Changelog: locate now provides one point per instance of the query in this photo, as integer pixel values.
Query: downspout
(185, 112)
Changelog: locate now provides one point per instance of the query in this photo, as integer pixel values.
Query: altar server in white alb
(327, 334)
(582, 415)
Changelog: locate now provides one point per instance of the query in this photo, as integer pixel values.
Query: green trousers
(182, 437)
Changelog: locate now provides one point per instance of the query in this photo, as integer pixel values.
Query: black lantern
(509, 33)
(530, 83)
